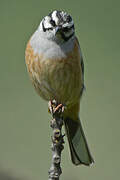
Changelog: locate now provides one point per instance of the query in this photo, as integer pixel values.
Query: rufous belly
(59, 79)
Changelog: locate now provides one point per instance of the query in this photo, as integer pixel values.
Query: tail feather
(80, 153)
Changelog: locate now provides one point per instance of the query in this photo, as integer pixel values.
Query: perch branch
(57, 138)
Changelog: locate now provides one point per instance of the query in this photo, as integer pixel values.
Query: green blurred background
(24, 121)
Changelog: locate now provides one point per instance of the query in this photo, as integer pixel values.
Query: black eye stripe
(52, 22)
(44, 29)
(66, 38)
(69, 19)
(66, 29)
(49, 28)
(72, 27)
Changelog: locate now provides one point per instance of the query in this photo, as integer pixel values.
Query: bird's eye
(52, 23)
(69, 19)
(66, 29)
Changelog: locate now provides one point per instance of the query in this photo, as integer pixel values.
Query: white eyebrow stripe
(70, 24)
(47, 23)
(40, 26)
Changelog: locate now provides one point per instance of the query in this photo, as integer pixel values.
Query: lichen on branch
(56, 124)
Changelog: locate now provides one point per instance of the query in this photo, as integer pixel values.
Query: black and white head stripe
(61, 20)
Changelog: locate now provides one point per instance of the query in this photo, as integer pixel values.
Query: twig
(57, 139)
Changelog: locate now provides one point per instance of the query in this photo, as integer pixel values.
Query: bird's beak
(57, 30)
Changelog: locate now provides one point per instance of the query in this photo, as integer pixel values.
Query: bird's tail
(79, 150)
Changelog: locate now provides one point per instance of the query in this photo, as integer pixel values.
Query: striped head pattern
(59, 24)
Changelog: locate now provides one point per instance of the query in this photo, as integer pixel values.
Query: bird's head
(58, 25)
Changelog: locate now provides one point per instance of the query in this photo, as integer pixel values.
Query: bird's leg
(57, 138)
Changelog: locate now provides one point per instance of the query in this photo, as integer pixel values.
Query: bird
(55, 66)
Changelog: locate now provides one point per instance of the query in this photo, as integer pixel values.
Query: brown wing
(82, 68)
